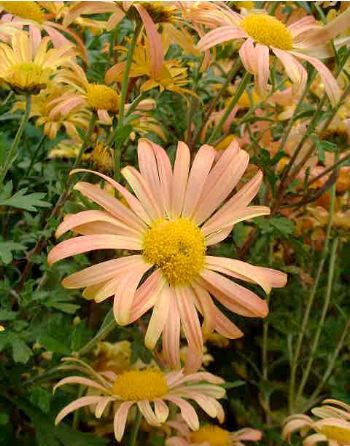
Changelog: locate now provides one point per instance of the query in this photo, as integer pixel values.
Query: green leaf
(6, 250)
(20, 200)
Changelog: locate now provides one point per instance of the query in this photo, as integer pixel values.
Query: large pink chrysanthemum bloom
(332, 427)
(151, 391)
(176, 215)
(263, 33)
(209, 435)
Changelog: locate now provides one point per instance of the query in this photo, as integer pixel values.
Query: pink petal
(180, 178)
(146, 295)
(225, 327)
(142, 191)
(262, 65)
(79, 380)
(147, 411)
(189, 317)
(161, 410)
(231, 217)
(132, 201)
(158, 318)
(248, 56)
(221, 181)
(101, 406)
(295, 71)
(330, 84)
(198, 175)
(234, 297)
(171, 335)
(77, 404)
(244, 271)
(110, 204)
(125, 293)
(72, 221)
(120, 418)
(220, 35)
(155, 42)
(206, 307)
(187, 411)
(86, 243)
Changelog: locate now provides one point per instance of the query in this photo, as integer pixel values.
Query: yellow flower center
(213, 435)
(102, 157)
(27, 77)
(159, 12)
(26, 10)
(101, 97)
(177, 247)
(139, 385)
(337, 433)
(268, 30)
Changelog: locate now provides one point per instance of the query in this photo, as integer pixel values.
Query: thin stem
(35, 155)
(99, 337)
(135, 429)
(331, 363)
(13, 149)
(240, 90)
(122, 99)
(309, 304)
(320, 326)
(230, 75)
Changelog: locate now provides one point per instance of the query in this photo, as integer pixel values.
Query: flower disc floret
(140, 385)
(177, 247)
(27, 77)
(26, 10)
(268, 30)
(214, 435)
(101, 97)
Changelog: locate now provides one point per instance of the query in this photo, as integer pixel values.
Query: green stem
(135, 429)
(240, 90)
(122, 99)
(101, 335)
(309, 304)
(13, 149)
(230, 75)
(320, 326)
(35, 155)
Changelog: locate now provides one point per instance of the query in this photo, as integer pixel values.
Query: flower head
(209, 435)
(150, 390)
(263, 34)
(27, 65)
(332, 426)
(176, 215)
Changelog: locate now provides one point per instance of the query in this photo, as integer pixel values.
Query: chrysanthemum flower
(41, 17)
(52, 119)
(333, 426)
(263, 33)
(27, 64)
(176, 215)
(210, 435)
(151, 390)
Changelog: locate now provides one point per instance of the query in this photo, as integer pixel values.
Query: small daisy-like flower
(28, 64)
(151, 390)
(263, 33)
(209, 435)
(333, 425)
(97, 97)
(176, 215)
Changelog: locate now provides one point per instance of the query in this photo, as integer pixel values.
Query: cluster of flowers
(169, 214)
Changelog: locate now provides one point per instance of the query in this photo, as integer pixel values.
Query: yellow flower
(28, 73)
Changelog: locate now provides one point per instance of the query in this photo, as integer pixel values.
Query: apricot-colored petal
(236, 298)
(120, 418)
(180, 178)
(200, 169)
